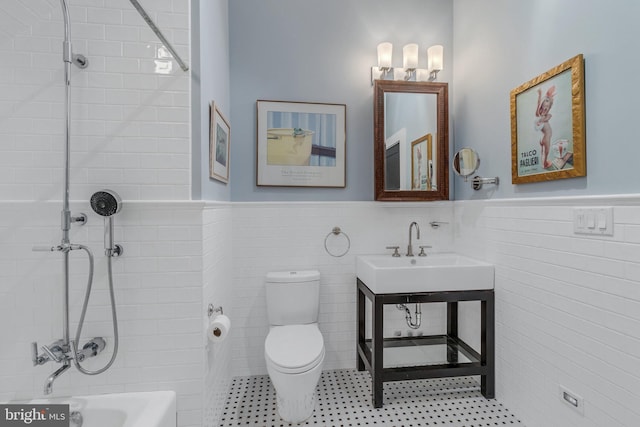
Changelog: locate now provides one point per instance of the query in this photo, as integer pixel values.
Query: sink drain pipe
(407, 313)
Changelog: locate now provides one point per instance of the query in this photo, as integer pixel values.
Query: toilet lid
(294, 346)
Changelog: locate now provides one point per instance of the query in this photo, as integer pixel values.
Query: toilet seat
(294, 349)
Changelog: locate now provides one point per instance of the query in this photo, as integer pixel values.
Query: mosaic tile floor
(344, 399)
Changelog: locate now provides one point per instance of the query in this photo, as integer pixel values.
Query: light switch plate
(593, 220)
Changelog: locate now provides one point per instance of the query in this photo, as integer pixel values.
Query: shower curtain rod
(161, 36)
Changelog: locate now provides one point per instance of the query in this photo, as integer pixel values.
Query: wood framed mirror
(411, 141)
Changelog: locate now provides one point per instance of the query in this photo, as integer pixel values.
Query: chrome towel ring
(337, 232)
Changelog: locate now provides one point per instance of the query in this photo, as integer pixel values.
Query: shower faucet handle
(43, 249)
(35, 357)
(58, 248)
(41, 359)
(52, 353)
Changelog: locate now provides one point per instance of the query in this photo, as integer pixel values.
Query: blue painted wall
(500, 44)
(320, 51)
(210, 82)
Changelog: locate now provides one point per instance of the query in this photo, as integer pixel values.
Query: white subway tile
(104, 16)
(123, 97)
(140, 81)
(173, 20)
(105, 112)
(141, 145)
(32, 44)
(122, 65)
(88, 31)
(139, 50)
(107, 48)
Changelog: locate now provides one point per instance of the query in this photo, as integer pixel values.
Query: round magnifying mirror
(465, 162)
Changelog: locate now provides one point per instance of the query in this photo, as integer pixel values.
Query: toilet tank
(293, 297)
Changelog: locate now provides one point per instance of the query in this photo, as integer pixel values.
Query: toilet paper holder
(211, 310)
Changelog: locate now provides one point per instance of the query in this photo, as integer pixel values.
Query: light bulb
(435, 57)
(385, 52)
(410, 56)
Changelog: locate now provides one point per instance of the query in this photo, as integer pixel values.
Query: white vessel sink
(384, 274)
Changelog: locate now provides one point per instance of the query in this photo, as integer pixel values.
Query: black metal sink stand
(369, 352)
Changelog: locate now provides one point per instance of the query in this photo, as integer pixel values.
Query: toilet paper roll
(218, 328)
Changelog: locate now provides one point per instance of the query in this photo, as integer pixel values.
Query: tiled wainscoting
(291, 236)
(218, 290)
(160, 292)
(568, 307)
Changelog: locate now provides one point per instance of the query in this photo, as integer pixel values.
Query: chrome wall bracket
(478, 182)
(211, 310)
(81, 219)
(80, 61)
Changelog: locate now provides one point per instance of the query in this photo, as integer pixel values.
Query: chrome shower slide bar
(161, 36)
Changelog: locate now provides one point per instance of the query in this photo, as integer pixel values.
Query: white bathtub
(145, 409)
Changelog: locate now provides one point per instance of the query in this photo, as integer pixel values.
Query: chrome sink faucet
(410, 247)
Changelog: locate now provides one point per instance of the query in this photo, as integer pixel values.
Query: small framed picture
(219, 139)
(301, 144)
(548, 125)
(422, 163)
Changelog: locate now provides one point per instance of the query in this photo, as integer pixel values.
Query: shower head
(106, 203)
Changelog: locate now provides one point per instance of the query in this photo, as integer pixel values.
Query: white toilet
(294, 348)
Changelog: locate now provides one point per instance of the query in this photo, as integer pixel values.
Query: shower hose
(84, 312)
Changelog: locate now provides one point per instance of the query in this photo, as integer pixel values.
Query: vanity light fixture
(385, 55)
(409, 70)
(410, 60)
(434, 61)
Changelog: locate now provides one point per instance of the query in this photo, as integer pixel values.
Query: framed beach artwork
(219, 139)
(548, 125)
(301, 144)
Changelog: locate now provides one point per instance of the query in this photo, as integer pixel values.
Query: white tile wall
(130, 126)
(290, 236)
(567, 307)
(158, 285)
(218, 290)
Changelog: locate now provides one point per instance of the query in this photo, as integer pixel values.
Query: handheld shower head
(107, 203)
